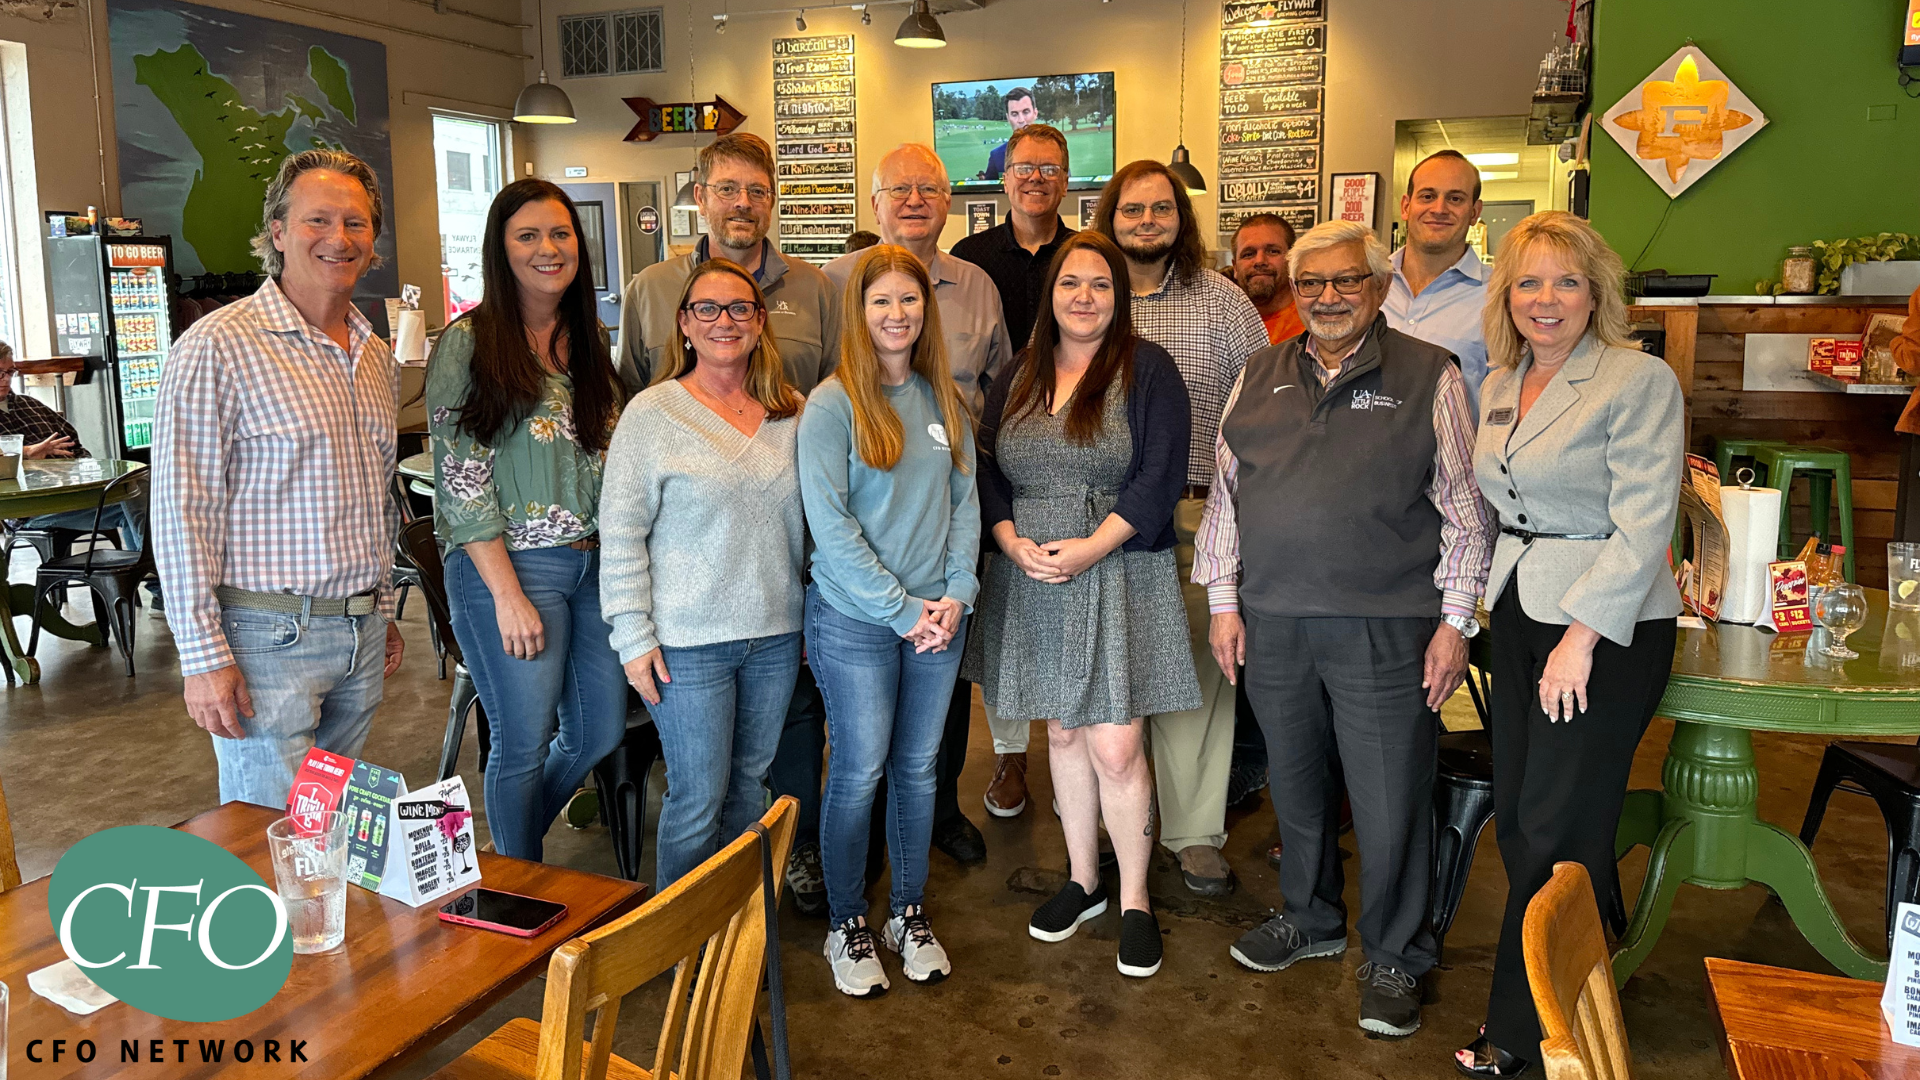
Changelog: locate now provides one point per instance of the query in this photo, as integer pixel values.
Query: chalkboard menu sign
(1273, 63)
(813, 144)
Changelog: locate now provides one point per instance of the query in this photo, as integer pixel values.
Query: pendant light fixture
(1180, 166)
(920, 30)
(542, 102)
(683, 199)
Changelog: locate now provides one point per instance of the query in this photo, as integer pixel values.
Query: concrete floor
(88, 748)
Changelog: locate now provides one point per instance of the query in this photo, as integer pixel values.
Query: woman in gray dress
(1083, 453)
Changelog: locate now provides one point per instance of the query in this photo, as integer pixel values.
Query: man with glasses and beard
(736, 193)
(1344, 547)
(1260, 247)
(1210, 328)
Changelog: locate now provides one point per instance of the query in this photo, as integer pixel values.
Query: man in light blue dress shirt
(1439, 286)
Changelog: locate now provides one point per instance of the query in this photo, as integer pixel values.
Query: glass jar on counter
(1797, 271)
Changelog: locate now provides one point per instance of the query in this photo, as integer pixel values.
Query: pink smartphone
(505, 912)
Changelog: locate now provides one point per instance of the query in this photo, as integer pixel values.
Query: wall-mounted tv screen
(972, 120)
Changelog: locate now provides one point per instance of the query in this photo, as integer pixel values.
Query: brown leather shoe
(1205, 871)
(1007, 794)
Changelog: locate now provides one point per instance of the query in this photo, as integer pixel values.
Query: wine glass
(1842, 609)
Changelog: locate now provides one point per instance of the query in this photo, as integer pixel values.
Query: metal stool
(1889, 774)
(1776, 464)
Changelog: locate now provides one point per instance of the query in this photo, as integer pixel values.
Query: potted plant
(1884, 265)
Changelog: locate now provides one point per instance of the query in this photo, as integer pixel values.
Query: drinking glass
(3, 1031)
(1842, 609)
(1903, 576)
(310, 868)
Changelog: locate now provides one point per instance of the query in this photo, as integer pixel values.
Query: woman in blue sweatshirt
(886, 475)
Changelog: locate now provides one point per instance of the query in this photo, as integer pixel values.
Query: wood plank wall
(1860, 424)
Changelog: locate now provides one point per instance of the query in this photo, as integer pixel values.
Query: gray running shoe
(1277, 944)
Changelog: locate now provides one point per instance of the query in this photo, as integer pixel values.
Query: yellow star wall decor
(1684, 118)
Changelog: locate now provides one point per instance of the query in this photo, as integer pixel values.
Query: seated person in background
(49, 435)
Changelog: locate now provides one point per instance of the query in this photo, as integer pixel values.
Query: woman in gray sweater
(701, 543)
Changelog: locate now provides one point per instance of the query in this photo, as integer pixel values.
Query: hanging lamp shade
(683, 199)
(543, 103)
(1183, 168)
(920, 30)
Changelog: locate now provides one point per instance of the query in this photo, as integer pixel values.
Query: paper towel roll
(410, 344)
(1753, 532)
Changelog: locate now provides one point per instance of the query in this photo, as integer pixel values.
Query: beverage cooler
(112, 303)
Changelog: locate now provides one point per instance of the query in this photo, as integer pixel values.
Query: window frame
(609, 37)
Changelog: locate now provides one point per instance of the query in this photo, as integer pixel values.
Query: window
(611, 43)
(593, 238)
(459, 170)
(469, 151)
(10, 279)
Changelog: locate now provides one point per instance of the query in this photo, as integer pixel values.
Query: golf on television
(973, 120)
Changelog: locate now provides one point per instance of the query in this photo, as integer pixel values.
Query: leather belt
(1528, 537)
(591, 543)
(1195, 491)
(365, 603)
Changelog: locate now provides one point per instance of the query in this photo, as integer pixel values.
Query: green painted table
(1728, 682)
(49, 486)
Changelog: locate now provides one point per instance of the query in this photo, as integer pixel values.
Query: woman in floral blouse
(522, 401)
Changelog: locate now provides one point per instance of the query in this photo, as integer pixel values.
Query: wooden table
(1728, 682)
(403, 981)
(49, 486)
(1777, 1024)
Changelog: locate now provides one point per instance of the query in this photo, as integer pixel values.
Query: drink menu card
(360, 790)
(432, 844)
(1900, 1002)
(1787, 580)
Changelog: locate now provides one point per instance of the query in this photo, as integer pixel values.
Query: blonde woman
(886, 473)
(701, 540)
(1580, 453)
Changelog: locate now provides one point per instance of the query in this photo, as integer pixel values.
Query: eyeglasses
(1136, 211)
(1345, 284)
(728, 190)
(928, 192)
(1025, 170)
(708, 311)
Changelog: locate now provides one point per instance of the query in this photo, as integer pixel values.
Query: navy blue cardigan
(1160, 422)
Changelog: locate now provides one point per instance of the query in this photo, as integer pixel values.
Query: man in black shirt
(47, 434)
(1015, 253)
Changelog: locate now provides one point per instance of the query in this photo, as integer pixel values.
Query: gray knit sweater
(701, 528)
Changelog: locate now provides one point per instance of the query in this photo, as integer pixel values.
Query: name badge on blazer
(1499, 417)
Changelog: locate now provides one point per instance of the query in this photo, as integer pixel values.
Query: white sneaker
(922, 958)
(856, 964)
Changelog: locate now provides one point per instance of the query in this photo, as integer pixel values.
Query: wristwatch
(1466, 625)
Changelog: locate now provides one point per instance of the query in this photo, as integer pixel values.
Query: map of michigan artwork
(207, 103)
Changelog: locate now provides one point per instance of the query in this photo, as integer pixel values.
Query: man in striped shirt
(1344, 547)
(273, 449)
(1210, 328)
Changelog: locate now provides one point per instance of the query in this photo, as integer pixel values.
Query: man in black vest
(1343, 547)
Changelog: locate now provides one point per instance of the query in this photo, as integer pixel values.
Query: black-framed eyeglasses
(709, 311)
(1025, 170)
(1345, 284)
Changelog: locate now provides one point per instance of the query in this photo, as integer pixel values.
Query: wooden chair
(1583, 1036)
(9, 866)
(719, 908)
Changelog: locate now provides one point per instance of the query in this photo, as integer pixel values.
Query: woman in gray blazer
(1580, 453)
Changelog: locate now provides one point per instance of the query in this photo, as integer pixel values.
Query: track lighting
(800, 21)
(719, 24)
(866, 17)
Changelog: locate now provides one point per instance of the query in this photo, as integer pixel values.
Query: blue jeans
(551, 718)
(886, 709)
(719, 722)
(129, 517)
(314, 682)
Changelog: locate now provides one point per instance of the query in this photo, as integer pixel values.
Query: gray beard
(1332, 327)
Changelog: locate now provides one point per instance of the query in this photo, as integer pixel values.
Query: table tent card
(1900, 1002)
(431, 832)
(358, 789)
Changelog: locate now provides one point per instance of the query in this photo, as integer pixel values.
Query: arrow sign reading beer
(673, 117)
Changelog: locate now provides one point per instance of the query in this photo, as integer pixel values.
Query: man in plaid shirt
(273, 449)
(48, 435)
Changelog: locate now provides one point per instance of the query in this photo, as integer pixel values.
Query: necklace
(704, 389)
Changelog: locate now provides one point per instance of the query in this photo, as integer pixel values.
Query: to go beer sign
(170, 923)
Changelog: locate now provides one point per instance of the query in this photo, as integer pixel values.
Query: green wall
(1820, 169)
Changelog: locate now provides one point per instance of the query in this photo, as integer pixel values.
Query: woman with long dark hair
(1083, 454)
(522, 401)
(704, 540)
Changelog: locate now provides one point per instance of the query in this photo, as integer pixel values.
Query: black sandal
(1484, 1061)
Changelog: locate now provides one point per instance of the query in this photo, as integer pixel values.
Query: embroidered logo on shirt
(939, 434)
(1367, 400)
(780, 308)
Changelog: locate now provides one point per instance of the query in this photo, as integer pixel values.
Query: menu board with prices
(813, 144)
(1900, 1001)
(1273, 62)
